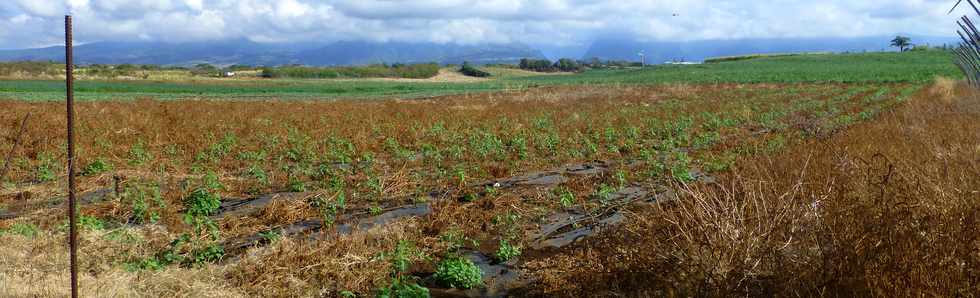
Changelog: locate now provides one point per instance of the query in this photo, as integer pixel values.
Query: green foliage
(472, 71)
(402, 289)
(413, 71)
(901, 42)
(507, 251)
(536, 65)
(96, 167)
(402, 285)
(458, 272)
(270, 236)
(146, 201)
(454, 239)
(45, 169)
(31, 69)
(565, 197)
(91, 223)
(203, 201)
(603, 193)
(329, 208)
(23, 229)
(138, 154)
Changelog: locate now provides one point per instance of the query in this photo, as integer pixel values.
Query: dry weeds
(885, 208)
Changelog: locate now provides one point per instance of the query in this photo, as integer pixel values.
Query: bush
(471, 71)
(563, 64)
(458, 272)
(536, 65)
(31, 69)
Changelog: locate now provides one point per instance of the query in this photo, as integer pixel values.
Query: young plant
(138, 154)
(565, 197)
(458, 272)
(45, 169)
(507, 251)
(96, 167)
(402, 284)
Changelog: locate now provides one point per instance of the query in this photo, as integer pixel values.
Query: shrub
(471, 71)
(536, 65)
(458, 272)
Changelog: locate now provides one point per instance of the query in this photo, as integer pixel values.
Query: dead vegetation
(889, 208)
(820, 189)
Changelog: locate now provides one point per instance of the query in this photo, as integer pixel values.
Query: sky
(551, 24)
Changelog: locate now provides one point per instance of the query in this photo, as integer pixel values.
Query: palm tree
(901, 42)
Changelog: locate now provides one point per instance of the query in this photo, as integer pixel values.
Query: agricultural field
(797, 175)
(845, 68)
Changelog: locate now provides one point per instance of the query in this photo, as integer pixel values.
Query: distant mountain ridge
(243, 51)
(253, 53)
(657, 52)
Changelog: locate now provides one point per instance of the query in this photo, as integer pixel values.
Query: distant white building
(228, 74)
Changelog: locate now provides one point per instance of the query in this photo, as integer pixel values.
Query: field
(851, 174)
(847, 68)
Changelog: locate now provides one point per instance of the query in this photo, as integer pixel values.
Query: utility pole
(70, 98)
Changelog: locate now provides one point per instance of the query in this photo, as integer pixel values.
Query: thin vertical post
(72, 231)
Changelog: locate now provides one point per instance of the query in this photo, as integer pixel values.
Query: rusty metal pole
(72, 230)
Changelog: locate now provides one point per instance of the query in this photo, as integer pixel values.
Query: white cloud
(545, 22)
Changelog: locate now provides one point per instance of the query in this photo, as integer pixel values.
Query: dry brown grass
(885, 208)
(38, 267)
(718, 240)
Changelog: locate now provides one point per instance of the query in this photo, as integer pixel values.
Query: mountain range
(252, 53)
(243, 51)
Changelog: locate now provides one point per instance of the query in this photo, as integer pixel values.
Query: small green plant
(270, 236)
(258, 173)
(403, 285)
(91, 223)
(565, 197)
(458, 272)
(329, 207)
(146, 202)
(96, 167)
(456, 240)
(138, 154)
(603, 193)
(208, 254)
(680, 167)
(45, 169)
(376, 210)
(203, 201)
(507, 251)
(296, 185)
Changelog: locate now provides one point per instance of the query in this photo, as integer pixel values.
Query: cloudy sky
(543, 23)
